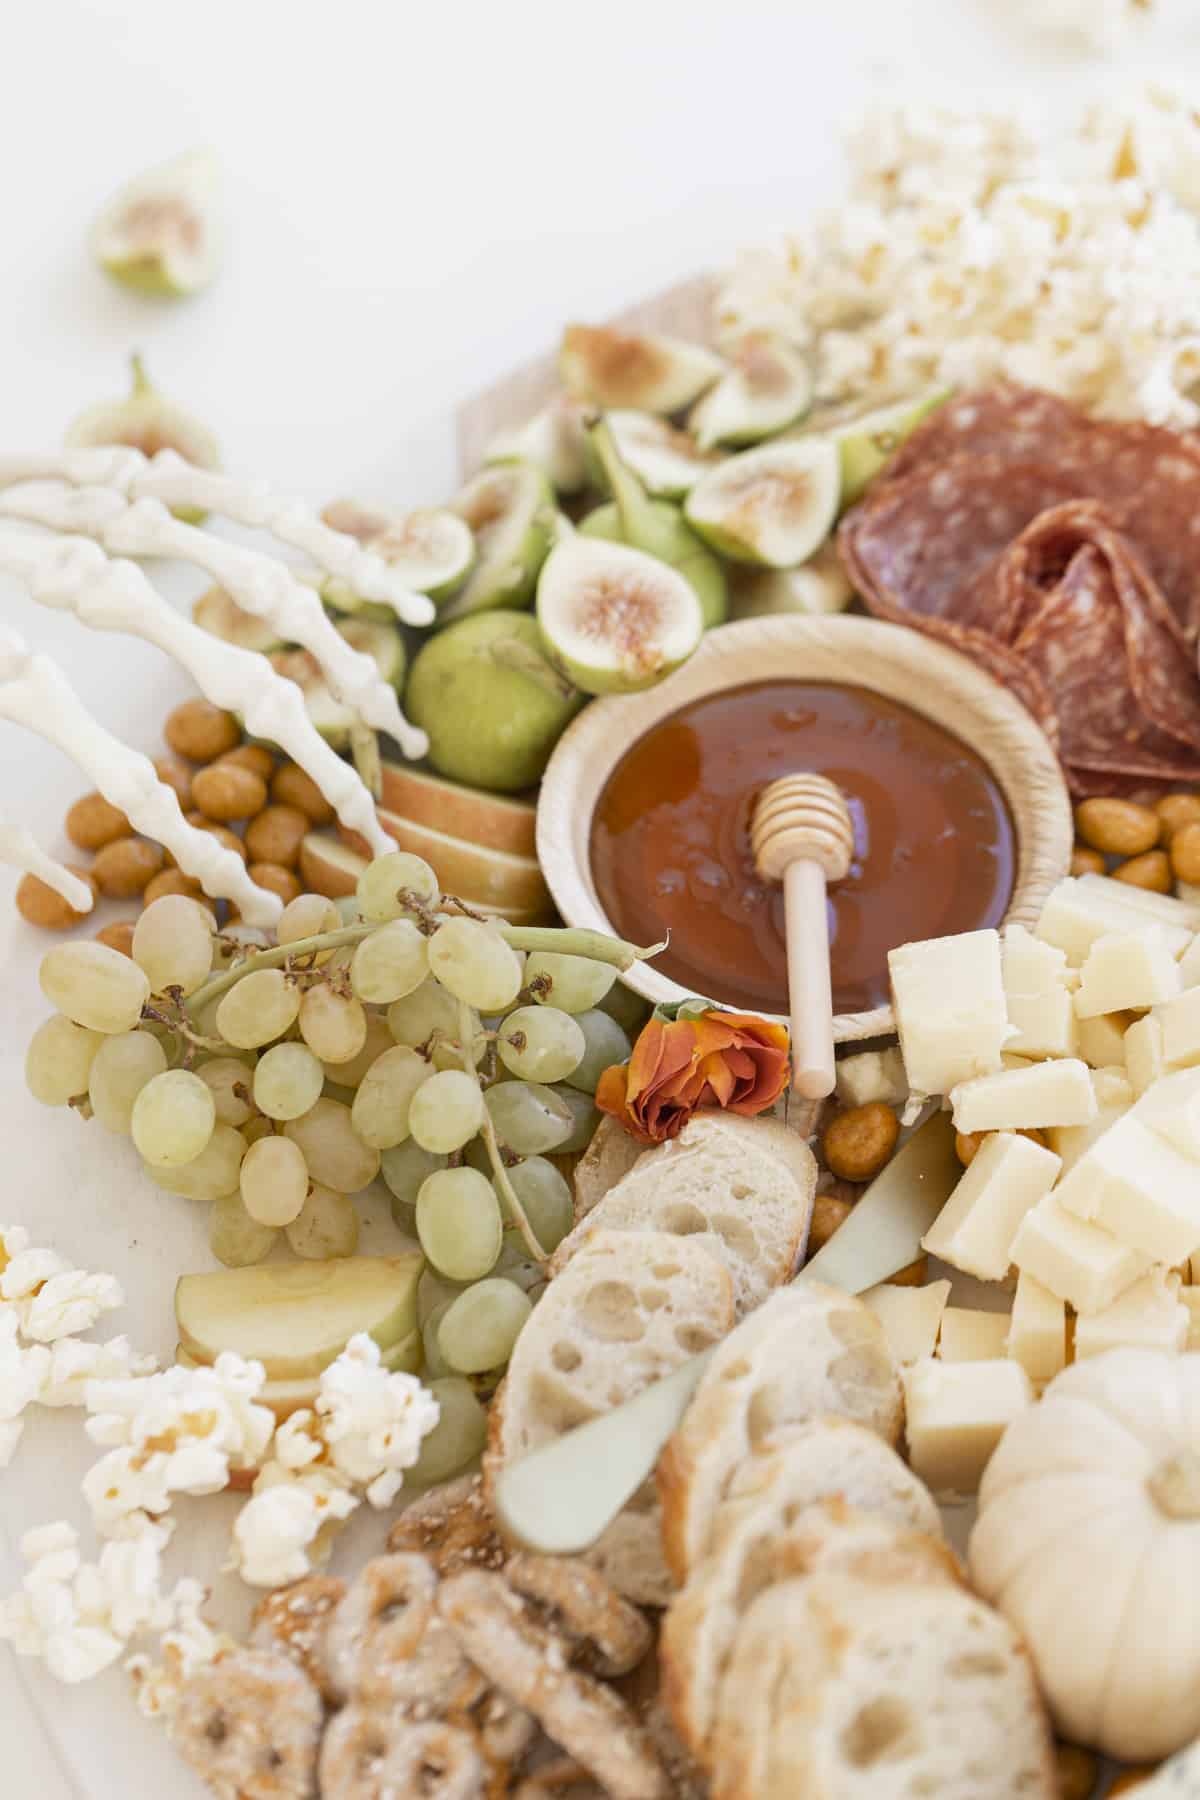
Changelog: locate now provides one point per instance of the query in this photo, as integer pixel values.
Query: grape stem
(487, 1131)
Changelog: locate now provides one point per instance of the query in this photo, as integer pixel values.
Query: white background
(417, 197)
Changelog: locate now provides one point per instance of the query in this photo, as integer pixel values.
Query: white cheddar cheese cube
(1180, 1022)
(1127, 968)
(1144, 1052)
(1174, 1115)
(1139, 1187)
(1114, 1097)
(1189, 1297)
(1037, 1334)
(1038, 998)
(1177, 914)
(1102, 1039)
(872, 1075)
(1189, 962)
(975, 1229)
(956, 1415)
(910, 1316)
(1082, 909)
(950, 1013)
(1148, 1314)
(1047, 1093)
(969, 1335)
(1075, 1259)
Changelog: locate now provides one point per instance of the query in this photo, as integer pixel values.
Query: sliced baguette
(725, 1187)
(809, 1350)
(843, 1688)
(473, 872)
(496, 821)
(330, 867)
(609, 1157)
(626, 1311)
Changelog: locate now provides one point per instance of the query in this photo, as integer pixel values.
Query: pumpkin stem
(1175, 1486)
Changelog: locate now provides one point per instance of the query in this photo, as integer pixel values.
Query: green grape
(274, 1181)
(308, 915)
(458, 1437)
(122, 1067)
(434, 1291)
(545, 1195)
(435, 1364)
(515, 1263)
(473, 962)
(94, 986)
(333, 1025)
(223, 1076)
(349, 911)
(404, 1216)
(459, 1223)
(172, 1118)
(211, 1174)
(376, 1040)
(427, 1011)
(446, 1111)
(336, 1157)
(381, 1110)
(59, 1060)
(584, 1118)
(529, 1118)
(258, 1009)
(325, 1227)
(606, 1044)
(540, 1043)
(628, 1009)
(287, 1081)
(479, 1329)
(173, 943)
(390, 963)
(404, 1168)
(234, 1238)
(256, 1128)
(575, 983)
(384, 880)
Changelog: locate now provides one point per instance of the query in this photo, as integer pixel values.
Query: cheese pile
(1088, 1033)
(974, 247)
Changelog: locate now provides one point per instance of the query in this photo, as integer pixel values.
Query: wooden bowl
(888, 659)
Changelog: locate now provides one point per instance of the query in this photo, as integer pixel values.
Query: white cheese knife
(560, 1498)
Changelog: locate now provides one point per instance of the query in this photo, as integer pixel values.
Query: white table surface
(417, 196)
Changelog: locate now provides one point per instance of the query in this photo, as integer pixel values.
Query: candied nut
(222, 833)
(1118, 827)
(913, 1274)
(1078, 1771)
(829, 1211)
(1087, 862)
(224, 792)
(255, 757)
(857, 1143)
(92, 822)
(124, 869)
(276, 835)
(40, 904)
(201, 731)
(968, 1143)
(1176, 810)
(118, 936)
(1151, 870)
(171, 881)
(276, 879)
(1185, 853)
(294, 786)
(177, 775)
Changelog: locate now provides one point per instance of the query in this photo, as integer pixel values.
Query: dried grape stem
(487, 1131)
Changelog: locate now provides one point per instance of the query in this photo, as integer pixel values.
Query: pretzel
(584, 1606)
(453, 1526)
(377, 1626)
(292, 1620)
(249, 1724)
(370, 1751)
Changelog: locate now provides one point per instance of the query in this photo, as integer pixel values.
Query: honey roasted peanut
(40, 904)
(1078, 1771)
(276, 835)
(229, 839)
(225, 792)
(92, 822)
(857, 1143)
(1085, 861)
(828, 1213)
(177, 775)
(171, 881)
(118, 936)
(1185, 853)
(201, 731)
(1118, 827)
(276, 879)
(255, 757)
(293, 786)
(968, 1143)
(125, 868)
(1151, 870)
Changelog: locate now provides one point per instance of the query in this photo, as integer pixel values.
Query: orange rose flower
(731, 1060)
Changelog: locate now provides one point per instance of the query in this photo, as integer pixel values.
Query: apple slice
(329, 866)
(494, 878)
(494, 821)
(295, 1318)
(288, 1396)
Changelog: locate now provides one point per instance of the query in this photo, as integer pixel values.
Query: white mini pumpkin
(1088, 1540)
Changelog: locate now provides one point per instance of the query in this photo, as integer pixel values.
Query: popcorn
(69, 1302)
(373, 1421)
(283, 1530)
(79, 1617)
(22, 1375)
(73, 1363)
(190, 1645)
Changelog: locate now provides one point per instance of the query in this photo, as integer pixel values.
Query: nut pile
(1154, 847)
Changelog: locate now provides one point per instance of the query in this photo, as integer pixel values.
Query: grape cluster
(387, 1034)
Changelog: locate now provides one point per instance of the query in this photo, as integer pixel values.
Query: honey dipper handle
(809, 990)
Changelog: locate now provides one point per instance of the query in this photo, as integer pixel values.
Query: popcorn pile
(976, 247)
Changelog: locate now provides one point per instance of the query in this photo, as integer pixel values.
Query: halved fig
(667, 462)
(773, 506)
(334, 720)
(510, 510)
(217, 612)
(148, 422)
(654, 374)
(159, 233)
(819, 586)
(431, 548)
(768, 388)
(865, 443)
(553, 441)
(614, 618)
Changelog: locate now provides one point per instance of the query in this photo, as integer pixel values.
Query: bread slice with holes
(627, 1310)
(727, 1186)
(609, 1157)
(840, 1687)
(613, 1153)
(808, 1351)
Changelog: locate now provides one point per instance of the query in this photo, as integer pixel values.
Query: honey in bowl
(934, 843)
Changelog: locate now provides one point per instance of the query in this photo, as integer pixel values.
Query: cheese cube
(1047, 1093)
(1174, 1116)
(1180, 1021)
(1076, 1260)
(1190, 1298)
(956, 1415)
(1037, 1335)
(1148, 1314)
(968, 1335)
(910, 1316)
(1189, 962)
(1102, 1039)
(1082, 909)
(1127, 968)
(1144, 1052)
(1136, 1185)
(1114, 1097)
(1038, 999)
(975, 1229)
(950, 1014)
(872, 1075)
(1177, 914)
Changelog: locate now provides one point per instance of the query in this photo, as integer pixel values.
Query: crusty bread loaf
(727, 1187)
(809, 1350)
(607, 1160)
(772, 1542)
(630, 1308)
(840, 1688)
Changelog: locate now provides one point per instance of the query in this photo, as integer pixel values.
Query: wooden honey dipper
(801, 834)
